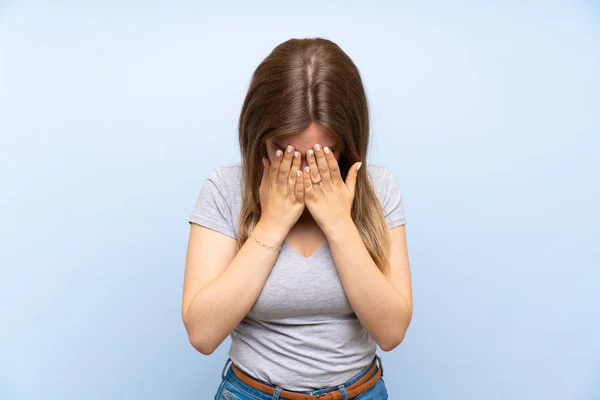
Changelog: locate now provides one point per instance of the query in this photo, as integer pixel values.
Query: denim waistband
(227, 374)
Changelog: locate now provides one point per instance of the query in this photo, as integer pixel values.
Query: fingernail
(358, 167)
(326, 150)
(311, 154)
(317, 147)
(298, 173)
(278, 152)
(288, 149)
(307, 170)
(296, 154)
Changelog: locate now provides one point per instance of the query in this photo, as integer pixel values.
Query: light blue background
(112, 114)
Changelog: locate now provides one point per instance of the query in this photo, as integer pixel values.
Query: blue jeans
(232, 388)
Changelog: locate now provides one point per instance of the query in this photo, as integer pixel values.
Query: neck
(306, 217)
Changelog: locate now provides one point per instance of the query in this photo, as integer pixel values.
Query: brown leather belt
(365, 383)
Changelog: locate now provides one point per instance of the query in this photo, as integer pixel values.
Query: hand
(281, 190)
(328, 198)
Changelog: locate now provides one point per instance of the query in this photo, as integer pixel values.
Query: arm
(382, 303)
(220, 286)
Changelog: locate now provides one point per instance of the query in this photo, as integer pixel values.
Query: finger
(322, 165)
(334, 168)
(295, 167)
(314, 169)
(299, 187)
(283, 177)
(308, 186)
(274, 167)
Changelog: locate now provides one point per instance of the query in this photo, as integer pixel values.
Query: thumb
(352, 175)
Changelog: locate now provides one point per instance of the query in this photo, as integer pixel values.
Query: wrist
(338, 230)
(269, 232)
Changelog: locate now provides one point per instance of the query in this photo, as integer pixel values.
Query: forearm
(380, 307)
(220, 305)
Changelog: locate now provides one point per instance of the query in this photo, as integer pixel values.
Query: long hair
(303, 81)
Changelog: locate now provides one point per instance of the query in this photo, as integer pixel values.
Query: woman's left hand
(326, 195)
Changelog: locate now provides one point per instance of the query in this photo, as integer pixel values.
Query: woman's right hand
(281, 190)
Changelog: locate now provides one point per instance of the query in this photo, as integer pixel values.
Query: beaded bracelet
(264, 244)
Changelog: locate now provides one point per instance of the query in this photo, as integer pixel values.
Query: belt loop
(380, 364)
(278, 390)
(224, 368)
(344, 393)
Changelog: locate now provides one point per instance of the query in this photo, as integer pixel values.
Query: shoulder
(380, 176)
(377, 171)
(227, 173)
(227, 178)
(224, 182)
(387, 187)
(216, 204)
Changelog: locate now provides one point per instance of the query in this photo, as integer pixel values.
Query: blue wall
(112, 114)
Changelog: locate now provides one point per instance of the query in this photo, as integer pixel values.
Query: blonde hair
(303, 81)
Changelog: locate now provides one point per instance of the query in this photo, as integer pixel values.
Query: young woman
(297, 252)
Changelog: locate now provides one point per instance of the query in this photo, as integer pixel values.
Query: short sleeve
(392, 201)
(212, 209)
